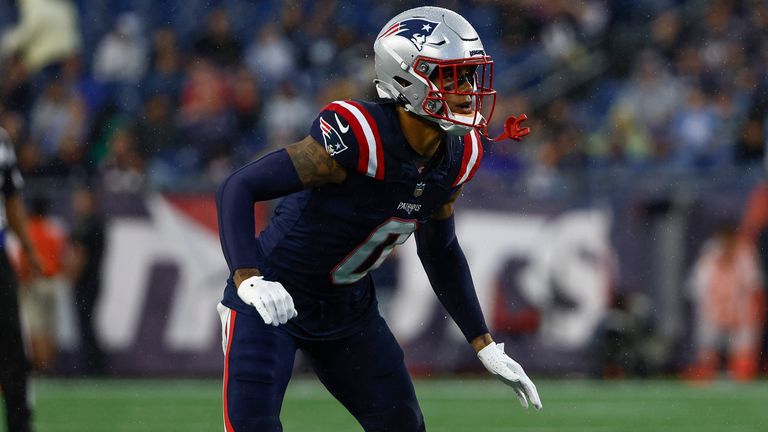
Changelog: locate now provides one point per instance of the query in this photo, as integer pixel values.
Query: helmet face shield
(461, 90)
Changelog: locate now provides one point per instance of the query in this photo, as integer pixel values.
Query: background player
(14, 368)
(368, 176)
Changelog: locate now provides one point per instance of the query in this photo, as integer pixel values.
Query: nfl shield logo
(419, 189)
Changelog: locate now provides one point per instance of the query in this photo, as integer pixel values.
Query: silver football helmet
(426, 54)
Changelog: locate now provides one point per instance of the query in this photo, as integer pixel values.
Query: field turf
(449, 406)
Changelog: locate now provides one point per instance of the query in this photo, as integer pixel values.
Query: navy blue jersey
(322, 243)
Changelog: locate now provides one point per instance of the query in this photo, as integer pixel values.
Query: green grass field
(449, 406)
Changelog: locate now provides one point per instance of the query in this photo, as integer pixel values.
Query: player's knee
(411, 419)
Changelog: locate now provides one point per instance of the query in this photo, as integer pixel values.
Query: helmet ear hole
(403, 82)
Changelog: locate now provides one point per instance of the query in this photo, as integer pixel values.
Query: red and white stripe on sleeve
(371, 151)
(470, 161)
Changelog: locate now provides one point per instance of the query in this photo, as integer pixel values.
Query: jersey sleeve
(351, 136)
(472, 156)
(11, 181)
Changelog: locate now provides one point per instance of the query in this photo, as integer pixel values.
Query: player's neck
(423, 135)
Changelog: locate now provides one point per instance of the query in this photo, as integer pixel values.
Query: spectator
(156, 132)
(38, 295)
(46, 35)
(651, 95)
(693, 133)
(750, 146)
(164, 44)
(270, 43)
(121, 60)
(624, 141)
(58, 115)
(206, 120)
(727, 290)
(15, 90)
(122, 169)
(88, 246)
(165, 69)
(287, 115)
(13, 124)
(121, 55)
(246, 99)
(218, 43)
(666, 34)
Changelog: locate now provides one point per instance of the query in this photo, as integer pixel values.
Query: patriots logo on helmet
(331, 138)
(417, 30)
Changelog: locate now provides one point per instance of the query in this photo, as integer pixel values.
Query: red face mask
(462, 90)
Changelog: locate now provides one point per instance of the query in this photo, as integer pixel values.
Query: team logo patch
(331, 137)
(417, 30)
(419, 189)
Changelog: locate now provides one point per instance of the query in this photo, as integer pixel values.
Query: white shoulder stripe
(373, 163)
(472, 157)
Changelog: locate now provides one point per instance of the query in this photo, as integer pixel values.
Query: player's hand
(509, 372)
(270, 299)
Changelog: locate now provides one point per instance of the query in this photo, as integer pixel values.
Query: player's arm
(15, 211)
(449, 275)
(301, 165)
(448, 272)
(17, 222)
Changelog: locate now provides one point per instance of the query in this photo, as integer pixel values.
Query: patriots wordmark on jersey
(326, 240)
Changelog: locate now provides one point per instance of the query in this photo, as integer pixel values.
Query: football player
(14, 367)
(368, 176)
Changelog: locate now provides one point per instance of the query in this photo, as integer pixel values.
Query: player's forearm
(270, 177)
(448, 272)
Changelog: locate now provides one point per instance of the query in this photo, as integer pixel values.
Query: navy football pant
(365, 372)
(14, 368)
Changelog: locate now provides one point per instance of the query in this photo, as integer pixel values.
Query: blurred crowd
(149, 102)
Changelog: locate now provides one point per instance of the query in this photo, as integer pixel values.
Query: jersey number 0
(373, 251)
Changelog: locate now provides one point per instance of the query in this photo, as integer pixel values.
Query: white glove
(509, 372)
(270, 299)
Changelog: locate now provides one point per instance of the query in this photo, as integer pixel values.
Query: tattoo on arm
(314, 165)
